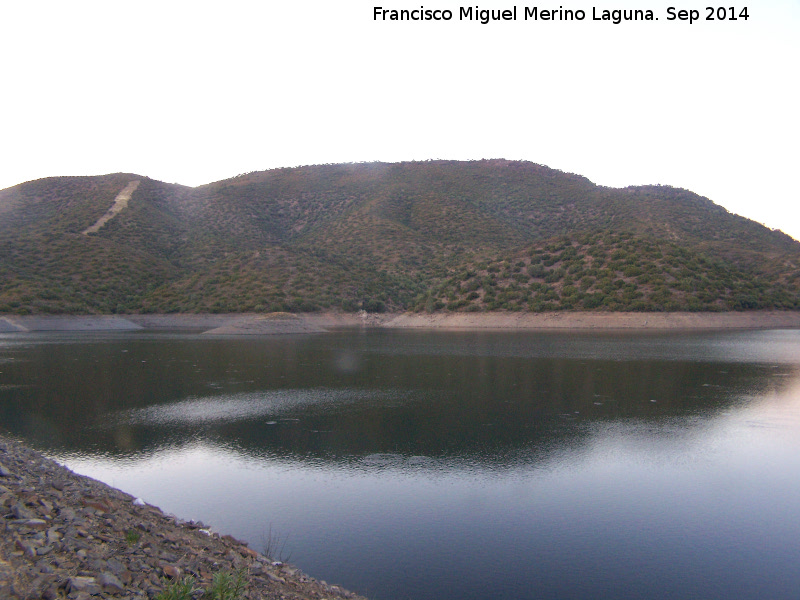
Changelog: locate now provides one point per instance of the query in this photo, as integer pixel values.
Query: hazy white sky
(194, 92)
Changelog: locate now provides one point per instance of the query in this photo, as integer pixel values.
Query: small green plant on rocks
(132, 536)
(226, 586)
(179, 589)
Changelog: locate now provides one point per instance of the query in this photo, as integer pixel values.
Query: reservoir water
(447, 465)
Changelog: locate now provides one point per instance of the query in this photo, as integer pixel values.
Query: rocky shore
(64, 535)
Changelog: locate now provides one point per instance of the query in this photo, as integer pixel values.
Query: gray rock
(134, 565)
(67, 514)
(4, 472)
(36, 523)
(53, 536)
(115, 566)
(256, 568)
(83, 584)
(275, 578)
(29, 550)
(110, 583)
(45, 568)
(50, 593)
(20, 512)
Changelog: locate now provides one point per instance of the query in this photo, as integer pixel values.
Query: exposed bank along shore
(64, 535)
(284, 323)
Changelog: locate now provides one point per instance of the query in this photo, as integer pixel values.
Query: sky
(194, 92)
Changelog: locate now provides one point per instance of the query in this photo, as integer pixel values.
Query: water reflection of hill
(343, 398)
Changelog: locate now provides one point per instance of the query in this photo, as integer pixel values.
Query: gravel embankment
(64, 535)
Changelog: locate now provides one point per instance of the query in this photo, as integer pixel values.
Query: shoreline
(305, 323)
(68, 535)
(599, 320)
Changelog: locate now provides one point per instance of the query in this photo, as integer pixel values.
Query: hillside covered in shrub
(438, 235)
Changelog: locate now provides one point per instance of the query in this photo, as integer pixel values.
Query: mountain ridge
(379, 236)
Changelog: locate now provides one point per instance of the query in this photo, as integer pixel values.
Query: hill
(438, 235)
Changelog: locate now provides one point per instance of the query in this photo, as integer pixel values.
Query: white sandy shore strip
(326, 320)
(66, 323)
(599, 320)
(255, 324)
(270, 324)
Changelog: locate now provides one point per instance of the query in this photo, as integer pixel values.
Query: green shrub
(226, 586)
(179, 589)
(132, 537)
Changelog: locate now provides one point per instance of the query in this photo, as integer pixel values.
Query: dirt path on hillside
(120, 202)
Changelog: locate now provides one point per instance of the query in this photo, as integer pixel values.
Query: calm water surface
(433, 465)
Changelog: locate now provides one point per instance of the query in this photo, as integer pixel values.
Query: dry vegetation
(457, 236)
